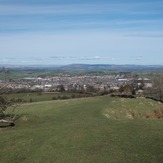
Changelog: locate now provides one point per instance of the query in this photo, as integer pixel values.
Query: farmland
(41, 96)
(95, 129)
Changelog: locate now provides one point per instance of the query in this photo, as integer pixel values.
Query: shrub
(64, 97)
(54, 98)
(73, 96)
(30, 100)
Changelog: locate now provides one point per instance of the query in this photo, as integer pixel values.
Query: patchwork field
(97, 129)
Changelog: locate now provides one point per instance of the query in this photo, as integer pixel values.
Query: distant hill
(85, 68)
(89, 67)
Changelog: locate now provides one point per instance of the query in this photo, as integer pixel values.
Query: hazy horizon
(62, 32)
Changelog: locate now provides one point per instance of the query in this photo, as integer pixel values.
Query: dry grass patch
(133, 109)
(157, 114)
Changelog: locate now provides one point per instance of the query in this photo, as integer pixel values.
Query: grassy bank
(97, 129)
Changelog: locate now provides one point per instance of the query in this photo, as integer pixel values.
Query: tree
(127, 89)
(158, 87)
(61, 88)
(7, 118)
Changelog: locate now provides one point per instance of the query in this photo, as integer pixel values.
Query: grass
(78, 130)
(42, 96)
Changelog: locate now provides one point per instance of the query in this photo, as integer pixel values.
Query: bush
(19, 100)
(54, 98)
(73, 96)
(64, 97)
(30, 100)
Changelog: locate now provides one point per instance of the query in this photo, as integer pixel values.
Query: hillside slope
(84, 130)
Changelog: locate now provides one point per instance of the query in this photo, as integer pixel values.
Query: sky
(59, 32)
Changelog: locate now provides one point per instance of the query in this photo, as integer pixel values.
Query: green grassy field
(87, 130)
(42, 96)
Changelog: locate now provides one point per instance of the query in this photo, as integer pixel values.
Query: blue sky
(59, 32)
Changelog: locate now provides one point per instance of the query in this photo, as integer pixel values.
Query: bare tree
(157, 88)
(8, 113)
